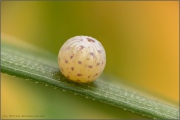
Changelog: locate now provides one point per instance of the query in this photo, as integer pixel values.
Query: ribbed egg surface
(82, 59)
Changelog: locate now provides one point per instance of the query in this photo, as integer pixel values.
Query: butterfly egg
(82, 59)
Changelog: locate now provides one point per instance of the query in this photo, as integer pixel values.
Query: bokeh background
(141, 40)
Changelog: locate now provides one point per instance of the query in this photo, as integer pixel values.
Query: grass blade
(42, 67)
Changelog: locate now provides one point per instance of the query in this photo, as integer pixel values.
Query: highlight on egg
(82, 59)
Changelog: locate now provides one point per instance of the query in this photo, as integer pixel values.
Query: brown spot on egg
(87, 59)
(96, 74)
(89, 76)
(68, 76)
(72, 68)
(66, 61)
(97, 64)
(99, 51)
(79, 74)
(71, 57)
(91, 53)
(81, 47)
(90, 40)
(79, 62)
(90, 66)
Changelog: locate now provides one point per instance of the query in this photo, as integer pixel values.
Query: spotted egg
(82, 59)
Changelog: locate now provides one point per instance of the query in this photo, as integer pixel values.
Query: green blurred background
(141, 40)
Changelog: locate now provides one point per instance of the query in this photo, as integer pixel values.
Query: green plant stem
(26, 64)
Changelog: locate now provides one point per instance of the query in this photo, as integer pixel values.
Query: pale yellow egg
(82, 59)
